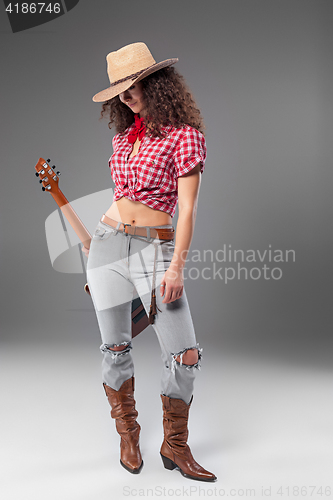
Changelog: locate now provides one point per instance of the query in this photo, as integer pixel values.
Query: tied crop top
(151, 175)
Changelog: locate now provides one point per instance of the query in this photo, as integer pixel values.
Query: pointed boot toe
(175, 452)
(123, 410)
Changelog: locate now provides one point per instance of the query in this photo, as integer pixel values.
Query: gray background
(261, 73)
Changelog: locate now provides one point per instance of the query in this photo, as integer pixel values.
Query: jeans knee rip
(175, 364)
(108, 348)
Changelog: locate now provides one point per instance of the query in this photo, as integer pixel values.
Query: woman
(159, 154)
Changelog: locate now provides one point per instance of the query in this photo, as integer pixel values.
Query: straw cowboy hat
(127, 66)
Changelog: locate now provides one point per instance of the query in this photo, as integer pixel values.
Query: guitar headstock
(48, 177)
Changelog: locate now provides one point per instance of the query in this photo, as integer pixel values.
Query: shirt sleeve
(190, 151)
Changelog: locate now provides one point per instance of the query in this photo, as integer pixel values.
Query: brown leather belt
(160, 233)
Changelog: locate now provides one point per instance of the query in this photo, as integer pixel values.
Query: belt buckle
(124, 228)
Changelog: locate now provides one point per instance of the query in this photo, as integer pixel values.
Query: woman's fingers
(85, 251)
(162, 287)
(171, 286)
(172, 293)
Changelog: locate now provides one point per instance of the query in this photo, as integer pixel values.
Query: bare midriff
(135, 212)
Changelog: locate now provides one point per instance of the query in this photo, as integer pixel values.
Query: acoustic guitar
(49, 179)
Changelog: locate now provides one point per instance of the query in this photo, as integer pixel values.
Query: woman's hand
(85, 250)
(172, 284)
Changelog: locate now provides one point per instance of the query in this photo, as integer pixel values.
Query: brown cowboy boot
(175, 451)
(123, 410)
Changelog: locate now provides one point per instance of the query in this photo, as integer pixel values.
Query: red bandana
(138, 131)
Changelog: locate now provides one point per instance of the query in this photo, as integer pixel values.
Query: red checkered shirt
(151, 175)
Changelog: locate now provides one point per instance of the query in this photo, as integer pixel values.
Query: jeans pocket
(102, 232)
(168, 248)
(169, 244)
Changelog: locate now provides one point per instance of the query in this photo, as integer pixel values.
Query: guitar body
(50, 182)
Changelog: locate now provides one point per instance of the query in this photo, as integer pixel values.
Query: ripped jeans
(120, 268)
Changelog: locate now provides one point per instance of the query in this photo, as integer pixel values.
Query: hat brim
(115, 90)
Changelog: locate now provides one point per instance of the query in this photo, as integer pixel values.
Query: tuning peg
(48, 160)
(58, 173)
(43, 188)
(37, 174)
(53, 166)
(40, 181)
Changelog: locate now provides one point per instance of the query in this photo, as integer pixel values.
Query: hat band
(130, 77)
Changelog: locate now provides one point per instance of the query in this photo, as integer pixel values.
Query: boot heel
(168, 464)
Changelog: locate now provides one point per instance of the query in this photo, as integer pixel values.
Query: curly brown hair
(167, 99)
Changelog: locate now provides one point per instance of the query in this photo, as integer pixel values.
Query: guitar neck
(72, 217)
